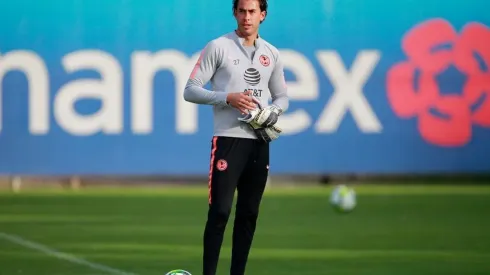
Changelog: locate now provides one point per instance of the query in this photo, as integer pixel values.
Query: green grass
(403, 230)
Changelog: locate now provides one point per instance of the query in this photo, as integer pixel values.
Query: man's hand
(242, 101)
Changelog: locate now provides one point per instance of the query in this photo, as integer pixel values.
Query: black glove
(267, 134)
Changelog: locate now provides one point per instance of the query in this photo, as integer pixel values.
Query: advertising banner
(96, 87)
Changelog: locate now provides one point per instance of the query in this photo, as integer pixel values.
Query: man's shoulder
(271, 48)
(221, 41)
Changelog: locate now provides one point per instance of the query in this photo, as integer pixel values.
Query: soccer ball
(178, 272)
(343, 198)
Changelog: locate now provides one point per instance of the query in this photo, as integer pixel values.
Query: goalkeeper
(245, 72)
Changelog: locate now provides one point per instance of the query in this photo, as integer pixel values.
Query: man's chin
(246, 32)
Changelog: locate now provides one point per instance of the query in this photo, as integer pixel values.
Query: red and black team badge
(221, 165)
(264, 60)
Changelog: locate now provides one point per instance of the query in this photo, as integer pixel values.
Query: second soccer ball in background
(343, 198)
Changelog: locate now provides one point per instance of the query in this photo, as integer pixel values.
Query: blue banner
(95, 87)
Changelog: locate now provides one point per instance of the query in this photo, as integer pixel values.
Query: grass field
(402, 230)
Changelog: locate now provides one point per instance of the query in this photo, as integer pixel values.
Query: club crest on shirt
(264, 60)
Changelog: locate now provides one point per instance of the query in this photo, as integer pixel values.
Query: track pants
(241, 164)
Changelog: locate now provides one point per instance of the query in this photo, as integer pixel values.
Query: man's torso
(241, 68)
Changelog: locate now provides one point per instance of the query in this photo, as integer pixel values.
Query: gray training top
(232, 67)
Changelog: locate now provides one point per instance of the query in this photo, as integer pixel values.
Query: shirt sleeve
(278, 87)
(204, 70)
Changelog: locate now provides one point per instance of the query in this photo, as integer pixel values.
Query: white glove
(268, 116)
(252, 114)
(263, 117)
(262, 121)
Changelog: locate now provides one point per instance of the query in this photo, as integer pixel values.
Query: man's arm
(203, 71)
(277, 86)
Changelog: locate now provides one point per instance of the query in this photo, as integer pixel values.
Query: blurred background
(104, 166)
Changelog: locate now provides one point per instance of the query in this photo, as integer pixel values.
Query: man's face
(248, 16)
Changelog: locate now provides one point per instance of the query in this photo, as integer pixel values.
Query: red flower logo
(444, 120)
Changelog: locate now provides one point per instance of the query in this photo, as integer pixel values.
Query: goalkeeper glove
(267, 116)
(262, 121)
(263, 117)
(268, 134)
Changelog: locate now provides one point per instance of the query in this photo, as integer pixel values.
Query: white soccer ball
(178, 272)
(343, 198)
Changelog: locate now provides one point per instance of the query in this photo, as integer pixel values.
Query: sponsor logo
(252, 76)
(415, 87)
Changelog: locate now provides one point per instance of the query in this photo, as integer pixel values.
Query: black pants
(241, 164)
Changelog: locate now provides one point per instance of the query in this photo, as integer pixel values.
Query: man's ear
(264, 14)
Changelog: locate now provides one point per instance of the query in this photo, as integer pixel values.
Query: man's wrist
(222, 98)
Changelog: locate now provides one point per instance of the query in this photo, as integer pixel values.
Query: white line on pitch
(60, 255)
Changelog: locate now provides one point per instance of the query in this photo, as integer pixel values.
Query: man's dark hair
(262, 6)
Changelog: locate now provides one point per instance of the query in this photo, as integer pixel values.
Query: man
(244, 71)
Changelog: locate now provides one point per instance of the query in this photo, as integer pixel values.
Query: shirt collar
(240, 40)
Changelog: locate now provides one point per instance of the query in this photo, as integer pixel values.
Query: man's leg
(250, 190)
(226, 165)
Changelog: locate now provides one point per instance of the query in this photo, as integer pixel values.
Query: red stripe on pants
(211, 168)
